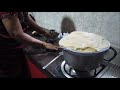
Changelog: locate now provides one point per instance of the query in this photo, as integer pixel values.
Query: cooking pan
(83, 61)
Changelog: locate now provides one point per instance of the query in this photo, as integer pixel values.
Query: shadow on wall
(67, 25)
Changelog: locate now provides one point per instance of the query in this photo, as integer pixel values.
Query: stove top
(63, 70)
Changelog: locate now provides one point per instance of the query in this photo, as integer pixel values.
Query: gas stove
(63, 70)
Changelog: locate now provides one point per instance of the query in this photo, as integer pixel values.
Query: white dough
(84, 42)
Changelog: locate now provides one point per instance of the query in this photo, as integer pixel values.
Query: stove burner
(67, 71)
(71, 73)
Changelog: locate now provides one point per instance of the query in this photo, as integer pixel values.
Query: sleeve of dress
(7, 14)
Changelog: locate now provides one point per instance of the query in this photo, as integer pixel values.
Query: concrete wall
(106, 24)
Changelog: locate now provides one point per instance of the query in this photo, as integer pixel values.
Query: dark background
(60, 5)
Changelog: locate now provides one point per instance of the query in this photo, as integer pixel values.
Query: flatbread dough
(84, 42)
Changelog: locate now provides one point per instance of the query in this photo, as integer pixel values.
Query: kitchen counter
(40, 60)
(40, 57)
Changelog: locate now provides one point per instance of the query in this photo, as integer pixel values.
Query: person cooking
(12, 38)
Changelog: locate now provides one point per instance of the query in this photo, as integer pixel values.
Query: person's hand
(48, 33)
(50, 46)
(51, 34)
(35, 33)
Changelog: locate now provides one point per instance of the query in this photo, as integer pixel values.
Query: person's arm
(32, 24)
(40, 30)
(14, 28)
